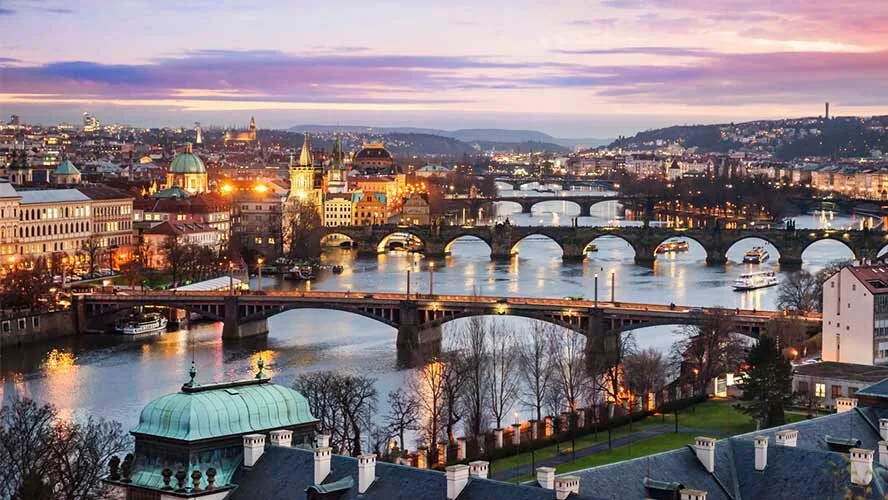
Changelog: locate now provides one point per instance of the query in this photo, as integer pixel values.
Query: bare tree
(644, 372)
(94, 252)
(427, 386)
(343, 403)
(472, 346)
(788, 332)
(502, 380)
(711, 347)
(454, 378)
(604, 361)
(403, 415)
(569, 362)
(798, 293)
(535, 361)
(302, 223)
(45, 456)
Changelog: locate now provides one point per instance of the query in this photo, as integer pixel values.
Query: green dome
(187, 163)
(220, 410)
(172, 192)
(66, 168)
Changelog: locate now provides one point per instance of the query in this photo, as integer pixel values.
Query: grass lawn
(644, 447)
(718, 416)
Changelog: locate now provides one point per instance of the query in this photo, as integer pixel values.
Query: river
(113, 378)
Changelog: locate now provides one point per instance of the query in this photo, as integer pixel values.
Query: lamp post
(431, 278)
(408, 284)
(231, 278)
(613, 287)
(64, 270)
(596, 290)
(259, 262)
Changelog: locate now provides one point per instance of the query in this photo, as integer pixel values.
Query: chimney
(845, 404)
(323, 440)
(861, 466)
(689, 494)
(565, 485)
(883, 453)
(787, 438)
(705, 448)
(282, 438)
(761, 452)
(323, 455)
(883, 428)
(457, 478)
(254, 445)
(479, 468)
(546, 477)
(366, 471)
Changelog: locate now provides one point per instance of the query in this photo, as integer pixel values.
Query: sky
(592, 68)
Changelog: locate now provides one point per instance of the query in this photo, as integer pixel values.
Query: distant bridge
(503, 239)
(417, 317)
(584, 202)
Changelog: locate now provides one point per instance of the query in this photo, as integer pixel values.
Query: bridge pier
(715, 257)
(415, 343)
(234, 328)
(435, 250)
(573, 252)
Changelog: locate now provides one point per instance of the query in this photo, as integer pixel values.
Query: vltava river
(106, 376)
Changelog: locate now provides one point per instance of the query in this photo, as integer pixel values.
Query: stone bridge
(417, 317)
(503, 239)
(584, 202)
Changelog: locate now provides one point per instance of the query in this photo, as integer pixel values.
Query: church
(248, 138)
(187, 172)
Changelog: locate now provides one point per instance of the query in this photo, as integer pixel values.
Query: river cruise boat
(756, 256)
(672, 246)
(754, 281)
(142, 324)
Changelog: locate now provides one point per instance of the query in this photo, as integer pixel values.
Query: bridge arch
(337, 240)
(825, 238)
(513, 248)
(608, 236)
(564, 202)
(380, 316)
(507, 207)
(467, 236)
(680, 235)
(405, 238)
(563, 321)
(96, 311)
(758, 240)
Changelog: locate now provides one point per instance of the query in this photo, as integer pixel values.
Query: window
(820, 390)
(802, 387)
(271, 241)
(35, 321)
(4, 327)
(21, 323)
(258, 240)
(836, 391)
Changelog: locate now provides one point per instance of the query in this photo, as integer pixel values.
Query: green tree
(767, 383)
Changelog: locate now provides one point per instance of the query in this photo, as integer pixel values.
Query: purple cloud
(655, 51)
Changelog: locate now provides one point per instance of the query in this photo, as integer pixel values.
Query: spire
(337, 153)
(305, 156)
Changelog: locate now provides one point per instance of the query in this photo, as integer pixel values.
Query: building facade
(369, 209)
(187, 172)
(186, 233)
(257, 225)
(855, 315)
(416, 210)
(338, 211)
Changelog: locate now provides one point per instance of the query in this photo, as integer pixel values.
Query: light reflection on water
(113, 378)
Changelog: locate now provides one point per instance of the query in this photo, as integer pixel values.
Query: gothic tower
(337, 181)
(252, 129)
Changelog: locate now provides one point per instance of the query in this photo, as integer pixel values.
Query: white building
(338, 211)
(855, 315)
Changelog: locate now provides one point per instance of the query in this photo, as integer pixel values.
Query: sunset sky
(571, 68)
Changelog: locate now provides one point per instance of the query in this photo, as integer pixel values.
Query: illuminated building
(369, 208)
(242, 138)
(9, 219)
(338, 210)
(337, 173)
(373, 157)
(187, 172)
(90, 123)
(66, 173)
(302, 179)
(186, 233)
(257, 225)
(416, 210)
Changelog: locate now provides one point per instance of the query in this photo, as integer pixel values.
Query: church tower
(302, 177)
(253, 129)
(337, 174)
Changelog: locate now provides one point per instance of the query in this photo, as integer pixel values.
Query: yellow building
(187, 172)
(302, 179)
(369, 209)
(338, 211)
(242, 138)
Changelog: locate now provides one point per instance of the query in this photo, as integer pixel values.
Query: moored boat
(141, 324)
(754, 281)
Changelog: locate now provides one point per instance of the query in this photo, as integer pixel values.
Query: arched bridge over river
(503, 239)
(417, 317)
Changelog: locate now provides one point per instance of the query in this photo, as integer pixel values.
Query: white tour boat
(753, 281)
(756, 256)
(142, 324)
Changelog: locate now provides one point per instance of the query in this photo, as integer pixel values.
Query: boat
(672, 246)
(754, 281)
(338, 269)
(756, 256)
(301, 272)
(142, 324)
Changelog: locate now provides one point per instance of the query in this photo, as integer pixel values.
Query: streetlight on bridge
(259, 262)
(431, 278)
(596, 290)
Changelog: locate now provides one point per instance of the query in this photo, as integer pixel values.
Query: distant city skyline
(576, 69)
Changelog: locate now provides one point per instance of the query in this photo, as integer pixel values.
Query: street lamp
(431, 278)
(259, 262)
(231, 278)
(596, 290)
(613, 277)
